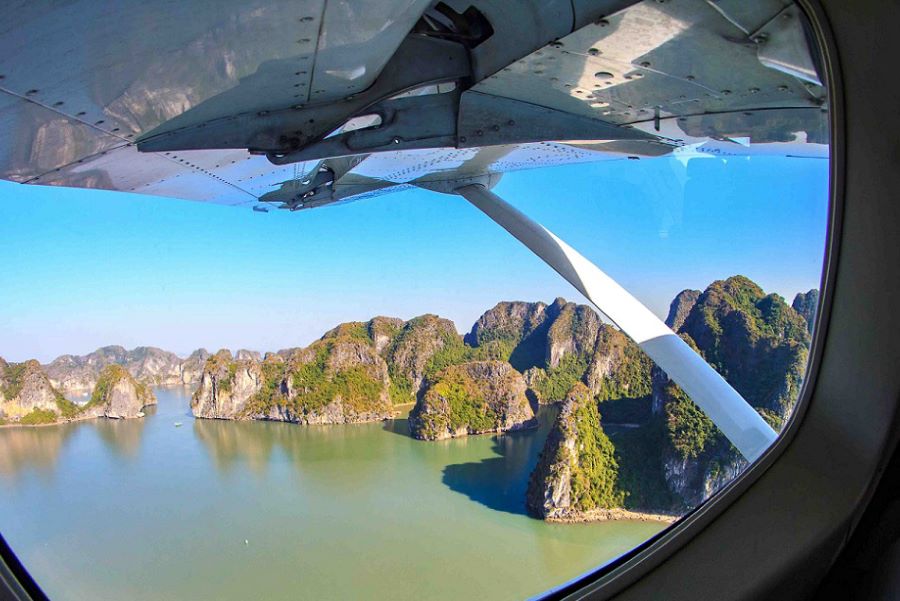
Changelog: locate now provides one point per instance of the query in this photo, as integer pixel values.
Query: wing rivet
(495, 128)
(479, 133)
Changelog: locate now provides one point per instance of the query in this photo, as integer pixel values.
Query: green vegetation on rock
(756, 341)
(451, 352)
(37, 417)
(272, 375)
(594, 476)
(467, 407)
(109, 377)
(28, 379)
(67, 409)
(577, 471)
(472, 398)
(641, 473)
(658, 446)
(557, 381)
(690, 431)
(400, 389)
(13, 377)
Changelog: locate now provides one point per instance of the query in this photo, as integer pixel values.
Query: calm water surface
(142, 509)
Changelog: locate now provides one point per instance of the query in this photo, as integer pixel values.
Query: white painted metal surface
(737, 420)
(81, 80)
(83, 77)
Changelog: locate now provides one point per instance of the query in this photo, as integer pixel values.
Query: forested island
(624, 439)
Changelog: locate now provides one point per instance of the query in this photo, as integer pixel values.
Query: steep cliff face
(192, 367)
(573, 331)
(619, 375)
(577, 470)
(76, 374)
(226, 386)
(680, 308)
(536, 334)
(28, 397)
(670, 454)
(338, 379)
(383, 331)
(759, 344)
(118, 395)
(424, 345)
(472, 398)
(806, 304)
(514, 331)
(245, 355)
(153, 366)
(560, 344)
(756, 341)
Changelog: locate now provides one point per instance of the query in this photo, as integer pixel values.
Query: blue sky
(82, 269)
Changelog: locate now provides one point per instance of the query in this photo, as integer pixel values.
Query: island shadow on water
(500, 482)
(398, 425)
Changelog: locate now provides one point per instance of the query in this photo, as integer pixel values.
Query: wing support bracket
(463, 120)
(418, 61)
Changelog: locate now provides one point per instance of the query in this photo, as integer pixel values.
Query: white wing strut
(737, 420)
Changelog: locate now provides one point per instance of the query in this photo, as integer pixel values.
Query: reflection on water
(236, 510)
(35, 448)
(122, 436)
(232, 443)
(25, 447)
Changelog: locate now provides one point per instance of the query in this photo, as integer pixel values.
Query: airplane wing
(304, 103)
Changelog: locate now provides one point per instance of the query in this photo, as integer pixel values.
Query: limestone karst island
(624, 441)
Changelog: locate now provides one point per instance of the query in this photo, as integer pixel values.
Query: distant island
(625, 438)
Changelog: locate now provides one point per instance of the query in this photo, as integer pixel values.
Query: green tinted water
(142, 509)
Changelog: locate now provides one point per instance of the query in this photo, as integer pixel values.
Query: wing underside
(302, 104)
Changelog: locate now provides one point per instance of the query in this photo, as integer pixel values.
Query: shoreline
(613, 515)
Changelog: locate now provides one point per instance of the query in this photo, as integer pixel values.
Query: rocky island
(577, 472)
(475, 397)
(28, 398)
(337, 380)
(667, 455)
(624, 438)
(78, 374)
(118, 395)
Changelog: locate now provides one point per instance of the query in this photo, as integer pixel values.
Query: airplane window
(416, 394)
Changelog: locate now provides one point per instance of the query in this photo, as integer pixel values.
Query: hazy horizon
(78, 275)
